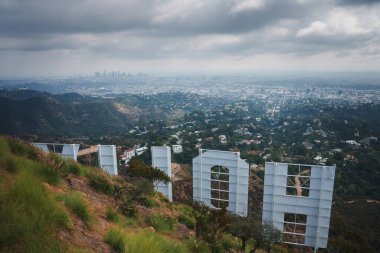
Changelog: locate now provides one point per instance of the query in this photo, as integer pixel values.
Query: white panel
(70, 151)
(107, 158)
(161, 158)
(238, 178)
(317, 206)
(41, 146)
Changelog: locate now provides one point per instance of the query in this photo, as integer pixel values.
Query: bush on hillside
(111, 214)
(143, 242)
(160, 222)
(197, 246)
(29, 217)
(187, 221)
(100, 181)
(21, 148)
(76, 203)
(72, 167)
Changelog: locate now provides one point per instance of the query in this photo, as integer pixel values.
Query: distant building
(223, 139)
(308, 145)
(140, 151)
(352, 142)
(177, 149)
(209, 139)
(129, 153)
(367, 141)
(214, 129)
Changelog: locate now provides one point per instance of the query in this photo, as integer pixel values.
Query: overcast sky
(64, 37)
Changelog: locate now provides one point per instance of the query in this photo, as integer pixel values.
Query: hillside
(48, 204)
(28, 112)
(51, 205)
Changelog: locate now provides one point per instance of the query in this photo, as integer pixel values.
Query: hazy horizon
(254, 74)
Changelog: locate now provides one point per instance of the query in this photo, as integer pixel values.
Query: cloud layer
(81, 36)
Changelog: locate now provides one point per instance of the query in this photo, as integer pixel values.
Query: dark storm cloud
(115, 30)
(218, 17)
(52, 24)
(30, 17)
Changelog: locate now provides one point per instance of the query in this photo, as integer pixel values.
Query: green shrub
(185, 209)
(86, 170)
(4, 147)
(112, 215)
(76, 203)
(55, 162)
(230, 242)
(11, 163)
(51, 167)
(48, 174)
(143, 242)
(116, 238)
(187, 221)
(279, 249)
(163, 198)
(44, 169)
(160, 222)
(29, 217)
(100, 181)
(73, 168)
(197, 246)
(186, 217)
(149, 202)
(20, 148)
(130, 222)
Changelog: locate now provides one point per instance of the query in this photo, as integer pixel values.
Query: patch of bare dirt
(86, 236)
(183, 191)
(127, 110)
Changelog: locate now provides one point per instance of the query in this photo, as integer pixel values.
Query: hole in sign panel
(294, 228)
(219, 186)
(298, 180)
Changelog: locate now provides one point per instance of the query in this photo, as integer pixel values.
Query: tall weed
(29, 217)
(143, 242)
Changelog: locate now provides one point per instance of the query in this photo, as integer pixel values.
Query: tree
(251, 227)
(266, 236)
(241, 227)
(210, 225)
(138, 169)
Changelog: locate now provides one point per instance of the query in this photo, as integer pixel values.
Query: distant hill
(26, 112)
